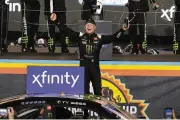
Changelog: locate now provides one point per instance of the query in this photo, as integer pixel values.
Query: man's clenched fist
(53, 17)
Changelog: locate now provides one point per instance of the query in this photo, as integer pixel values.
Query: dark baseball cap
(90, 21)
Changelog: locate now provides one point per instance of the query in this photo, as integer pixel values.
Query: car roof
(73, 97)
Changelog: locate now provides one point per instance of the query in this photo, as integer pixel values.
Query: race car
(60, 106)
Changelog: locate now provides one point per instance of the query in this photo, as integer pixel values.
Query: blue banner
(67, 80)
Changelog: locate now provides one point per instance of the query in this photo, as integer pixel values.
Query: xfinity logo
(55, 79)
(13, 7)
(168, 14)
(44, 78)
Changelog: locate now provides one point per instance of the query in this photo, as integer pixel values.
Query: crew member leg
(51, 35)
(64, 44)
(141, 25)
(30, 14)
(1, 24)
(133, 33)
(6, 22)
(176, 44)
(178, 36)
(25, 26)
(33, 27)
(4, 31)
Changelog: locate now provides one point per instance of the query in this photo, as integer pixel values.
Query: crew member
(90, 44)
(58, 7)
(4, 10)
(176, 45)
(30, 17)
(88, 11)
(137, 17)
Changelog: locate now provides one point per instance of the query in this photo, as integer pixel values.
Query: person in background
(4, 10)
(30, 21)
(58, 7)
(87, 9)
(138, 18)
(176, 45)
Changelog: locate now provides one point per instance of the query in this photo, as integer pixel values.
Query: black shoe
(64, 50)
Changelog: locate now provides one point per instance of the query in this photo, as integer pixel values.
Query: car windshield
(23, 106)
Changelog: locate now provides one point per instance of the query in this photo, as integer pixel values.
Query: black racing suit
(177, 27)
(59, 8)
(30, 16)
(89, 48)
(4, 10)
(137, 17)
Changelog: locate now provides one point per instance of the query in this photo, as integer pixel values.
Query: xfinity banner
(66, 80)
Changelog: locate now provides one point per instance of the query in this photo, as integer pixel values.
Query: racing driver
(90, 45)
